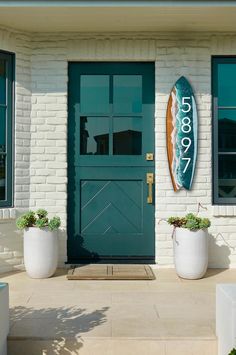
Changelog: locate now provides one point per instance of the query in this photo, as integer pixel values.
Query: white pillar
(226, 317)
(4, 317)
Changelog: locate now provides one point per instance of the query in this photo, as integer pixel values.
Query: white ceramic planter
(190, 253)
(40, 252)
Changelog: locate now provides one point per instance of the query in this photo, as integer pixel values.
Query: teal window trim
(216, 200)
(9, 60)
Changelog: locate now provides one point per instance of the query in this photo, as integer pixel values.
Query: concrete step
(111, 346)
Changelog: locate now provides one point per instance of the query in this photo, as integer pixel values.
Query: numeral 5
(186, 104)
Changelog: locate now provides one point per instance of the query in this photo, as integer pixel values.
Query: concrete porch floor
(165, 316)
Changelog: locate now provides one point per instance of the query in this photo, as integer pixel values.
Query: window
(6, 117)
(224, 130)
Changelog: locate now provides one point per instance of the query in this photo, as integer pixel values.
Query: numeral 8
(186, 128)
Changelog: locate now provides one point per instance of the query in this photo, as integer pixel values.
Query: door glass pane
(127, 97)
(2, 177)
(2, 129)
(227, 176)
(227, 84)
(2, 82)
(127, 136)
(94, 135)
(94, 94)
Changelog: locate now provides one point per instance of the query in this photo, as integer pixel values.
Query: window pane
(127, 136)
(227, 130)
(227, 176)
(94, 94)
(227, 84)
(2, 177)
(94, 135)
(2, 82)
(2, 129)
(127, 94)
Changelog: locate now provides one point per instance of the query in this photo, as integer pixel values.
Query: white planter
(190, 253)
(40, 252)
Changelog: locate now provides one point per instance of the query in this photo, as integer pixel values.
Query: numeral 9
(186, 143)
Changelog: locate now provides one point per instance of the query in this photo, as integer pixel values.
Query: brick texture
(41, 128)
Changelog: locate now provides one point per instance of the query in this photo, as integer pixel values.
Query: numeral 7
(188, 160)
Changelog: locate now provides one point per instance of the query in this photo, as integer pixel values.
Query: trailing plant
(233, 352)
(38, 219)
(190, 221)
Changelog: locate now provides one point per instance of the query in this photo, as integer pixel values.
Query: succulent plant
(38, 219)
(190, 221)
(54, 223)
(27, 220)
(41, 213)
(176, 221)
(41, 222)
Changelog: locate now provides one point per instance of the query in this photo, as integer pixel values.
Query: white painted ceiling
(112, 19)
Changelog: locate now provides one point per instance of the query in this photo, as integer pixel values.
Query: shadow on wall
(54, 331)
(11, 247)
(218, 254)
(62, 244)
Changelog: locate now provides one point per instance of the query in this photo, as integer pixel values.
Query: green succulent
(41, 222)
(192, 225)
(26, 220)
(54, 223)
(190, 221)
(176, 221)
(41, 213)
(233, 352)
(38, 219)
(205, 223)
(22, 223)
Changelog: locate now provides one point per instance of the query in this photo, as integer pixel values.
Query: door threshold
(75, 262)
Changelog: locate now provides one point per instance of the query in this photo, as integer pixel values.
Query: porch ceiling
(113, 18)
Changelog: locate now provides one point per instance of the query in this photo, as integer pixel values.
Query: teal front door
(110, 162)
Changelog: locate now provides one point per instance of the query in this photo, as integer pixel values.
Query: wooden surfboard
(182, 134)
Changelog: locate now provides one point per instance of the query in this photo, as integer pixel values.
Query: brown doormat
(111, 272)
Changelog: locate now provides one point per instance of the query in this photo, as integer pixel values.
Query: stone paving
(163, 316)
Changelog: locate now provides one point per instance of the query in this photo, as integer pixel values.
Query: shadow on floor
(213, 272)
(61, 272)
(52, 330)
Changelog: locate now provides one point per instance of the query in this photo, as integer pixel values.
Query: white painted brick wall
(10, 239)
(41, 126)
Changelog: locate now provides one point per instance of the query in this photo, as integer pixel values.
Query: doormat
(111, 272)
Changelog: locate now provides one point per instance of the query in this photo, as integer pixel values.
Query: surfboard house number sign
(181, 130)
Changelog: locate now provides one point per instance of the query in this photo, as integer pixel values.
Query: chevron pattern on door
(111, 207)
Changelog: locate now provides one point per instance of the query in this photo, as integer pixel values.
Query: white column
(4, 317)
(226, 317)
